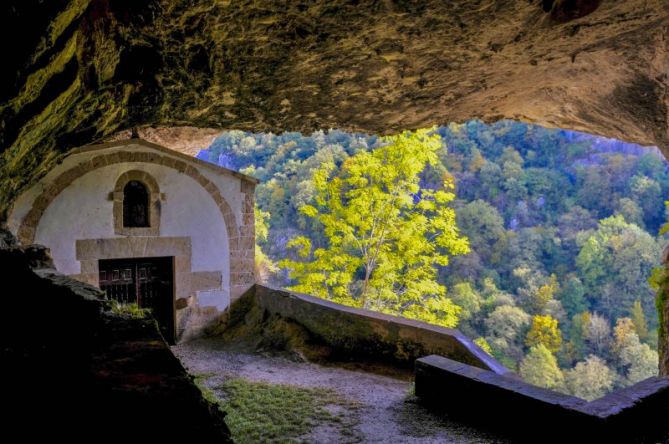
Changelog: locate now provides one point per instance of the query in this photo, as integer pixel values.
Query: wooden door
(148, 282)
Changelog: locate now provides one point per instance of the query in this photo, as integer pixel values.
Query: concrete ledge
(365, 333)
(636, 414)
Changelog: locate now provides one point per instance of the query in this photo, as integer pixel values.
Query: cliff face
(77, 71)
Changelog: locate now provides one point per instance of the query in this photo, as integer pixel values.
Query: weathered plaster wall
(84, 211)
(228, 185)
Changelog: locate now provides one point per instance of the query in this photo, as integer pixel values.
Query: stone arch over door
(241, 239)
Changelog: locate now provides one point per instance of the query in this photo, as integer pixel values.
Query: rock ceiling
(77, 71)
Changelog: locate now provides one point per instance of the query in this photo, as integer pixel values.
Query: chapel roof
(165, 150)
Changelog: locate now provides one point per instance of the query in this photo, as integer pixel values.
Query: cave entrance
(148, 282)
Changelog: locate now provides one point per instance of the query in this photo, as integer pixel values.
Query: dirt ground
(388, 412)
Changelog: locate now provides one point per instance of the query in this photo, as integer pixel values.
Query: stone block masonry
(355, 333)
(461, 381)
(637, 414)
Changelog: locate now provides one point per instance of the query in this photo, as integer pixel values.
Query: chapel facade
(147, 225)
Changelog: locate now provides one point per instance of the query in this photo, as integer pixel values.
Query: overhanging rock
(77, 71)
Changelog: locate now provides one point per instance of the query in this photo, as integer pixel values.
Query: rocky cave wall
(77, 71)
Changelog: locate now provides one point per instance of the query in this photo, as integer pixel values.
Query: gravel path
(388, 413)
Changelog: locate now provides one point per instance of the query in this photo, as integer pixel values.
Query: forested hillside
(562, 229)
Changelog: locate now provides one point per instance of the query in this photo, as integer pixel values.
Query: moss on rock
(663, 319)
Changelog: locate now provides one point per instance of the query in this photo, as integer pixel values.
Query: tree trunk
(365, 284)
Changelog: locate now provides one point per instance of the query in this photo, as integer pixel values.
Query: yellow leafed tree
(544, 331)
(385, 234)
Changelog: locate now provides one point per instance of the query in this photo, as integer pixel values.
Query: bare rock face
(185, 139)
(77, 71)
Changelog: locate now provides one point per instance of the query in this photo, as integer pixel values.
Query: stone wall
(73, 370)
(522, 411)
(369, 335)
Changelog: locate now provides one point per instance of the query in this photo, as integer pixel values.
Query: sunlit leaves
(544, 331)
(385, 234)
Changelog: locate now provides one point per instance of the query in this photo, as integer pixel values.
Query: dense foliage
(385, 234)
(562, 229)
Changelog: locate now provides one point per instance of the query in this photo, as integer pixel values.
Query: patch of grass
(131, 310)
(262, 412)
(411, 391)
(207, 393)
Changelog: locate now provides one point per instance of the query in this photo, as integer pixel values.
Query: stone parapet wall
(522, 411)
(367, 334)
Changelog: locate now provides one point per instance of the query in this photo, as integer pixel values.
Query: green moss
(38, 79)
(207, 393)
(659, 280)
(59, 24)
(130, 310)
(263, 412)
(663, 336)
(74, 10)
(47, 121)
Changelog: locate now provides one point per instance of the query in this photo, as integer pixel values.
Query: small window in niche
(135, 205)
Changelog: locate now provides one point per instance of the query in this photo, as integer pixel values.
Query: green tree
(540, 368)
(491, 178)
(647, 192)
(638, 361)
(590, 379)
(484, 228)
(572, 296)
(575, 348)
(467, 298)
(385, 235)
(481, 342)
(642, 361)
(631, 211)
(265, 268)
(536, 290)
(544, 331)
(615, 263)
(639, 320)
(506, 322)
